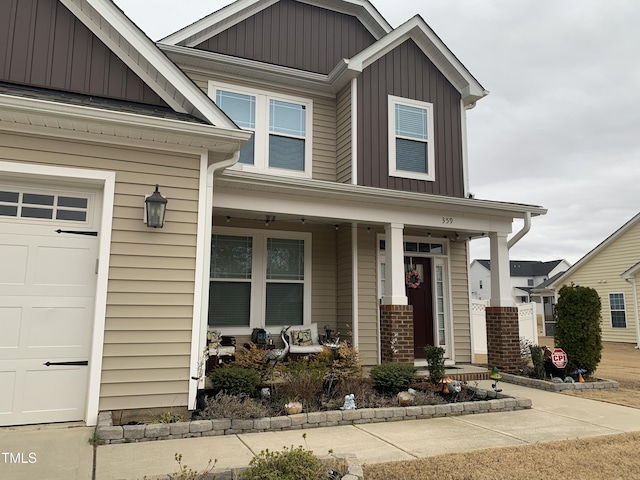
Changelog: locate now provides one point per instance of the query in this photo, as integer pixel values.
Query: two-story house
(348, 204)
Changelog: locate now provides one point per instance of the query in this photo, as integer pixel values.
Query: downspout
(632, 280)
(525, 229)
(199, 335)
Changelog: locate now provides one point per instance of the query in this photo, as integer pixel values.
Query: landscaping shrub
(303, 381)
(289, 464)
(252, 357)
(435, 362)
(232, 406)
(234, 380)
(538, 362)
(393, 377)
(577, 330)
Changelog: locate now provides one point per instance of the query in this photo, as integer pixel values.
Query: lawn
(614, 456)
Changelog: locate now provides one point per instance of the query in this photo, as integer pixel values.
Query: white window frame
(257, 317)
(624, 309)
(261, 132)
(431, 161)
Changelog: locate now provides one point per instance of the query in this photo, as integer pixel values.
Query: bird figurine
(278, 354)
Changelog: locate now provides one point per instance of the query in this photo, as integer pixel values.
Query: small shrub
(168, 417)
(289, 464)
(577, 329)
(234, 380)
(538, 362)
(435, 362)
(186, 473)
(303, 381)
(232, 406)
(253, 358)
(393, 377)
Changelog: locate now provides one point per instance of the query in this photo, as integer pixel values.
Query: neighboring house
(354, 174)
(524, 275)
(612, 268)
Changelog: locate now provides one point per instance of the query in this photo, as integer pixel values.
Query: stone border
(600, 384)
(110, 434)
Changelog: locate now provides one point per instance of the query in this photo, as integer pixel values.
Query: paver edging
(495, 402)
(600, 384)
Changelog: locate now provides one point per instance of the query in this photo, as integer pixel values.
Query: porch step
(462, 373)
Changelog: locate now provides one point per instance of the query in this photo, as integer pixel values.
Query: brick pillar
(396, 329)
(503, 338)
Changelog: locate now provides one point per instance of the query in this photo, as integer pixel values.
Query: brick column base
(396, 333)
(503, 339)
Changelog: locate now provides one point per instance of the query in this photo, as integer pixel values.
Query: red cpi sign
(559, 358)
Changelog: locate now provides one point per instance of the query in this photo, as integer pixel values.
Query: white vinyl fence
(526, 318)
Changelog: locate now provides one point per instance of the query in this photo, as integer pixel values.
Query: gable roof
(526, 268)
(179, 46)
(240, 10)
(601, 246)
(140, 54)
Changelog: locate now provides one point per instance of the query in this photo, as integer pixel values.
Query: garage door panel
(7, 384)
(10, 327)
(60, 327)
(13, 259)
(53, 383)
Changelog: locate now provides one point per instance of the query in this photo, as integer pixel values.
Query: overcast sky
(561, 126)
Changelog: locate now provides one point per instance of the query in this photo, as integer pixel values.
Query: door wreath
(413, 279)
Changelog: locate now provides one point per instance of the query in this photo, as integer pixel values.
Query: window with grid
(617, 309)
(241, 109)
(411, 149)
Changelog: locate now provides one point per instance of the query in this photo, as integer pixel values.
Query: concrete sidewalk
(62, 451)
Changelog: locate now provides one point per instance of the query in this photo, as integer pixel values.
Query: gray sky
(561, 127)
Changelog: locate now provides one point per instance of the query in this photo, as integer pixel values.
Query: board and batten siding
(461, 314)
(324, 120)
(602, 273)
(43, 44)
(406, 72)
(344, 170)
(293, 34)
(324, 264)
(151, 276)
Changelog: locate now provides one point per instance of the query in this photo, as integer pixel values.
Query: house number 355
(447, 220)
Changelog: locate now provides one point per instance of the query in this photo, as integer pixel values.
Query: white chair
(304, 340)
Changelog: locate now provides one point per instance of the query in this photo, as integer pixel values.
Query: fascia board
(417, 30)
(261, 182)
(210, 62)
(240, 10)
(632, 272)
(140, 54)
(76, 118)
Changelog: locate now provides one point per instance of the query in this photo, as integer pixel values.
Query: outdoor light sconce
(155, 206)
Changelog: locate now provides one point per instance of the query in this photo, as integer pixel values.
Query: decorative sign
(559, 358)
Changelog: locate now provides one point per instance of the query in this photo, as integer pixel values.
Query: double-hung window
(281, 125)
(259, 279)
(411, 139)
(618, 313)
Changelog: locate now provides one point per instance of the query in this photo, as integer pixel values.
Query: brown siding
(407, 72)
(43, 44)
(294, 35)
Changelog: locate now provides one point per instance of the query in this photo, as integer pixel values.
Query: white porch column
(500, 274)
(394, 290)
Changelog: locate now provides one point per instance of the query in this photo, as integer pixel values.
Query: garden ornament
(278, 354)
(445, 381)
(495, 375)
(579, 372)
(349, 402)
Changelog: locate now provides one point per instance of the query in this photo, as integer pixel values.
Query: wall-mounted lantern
(155, 206)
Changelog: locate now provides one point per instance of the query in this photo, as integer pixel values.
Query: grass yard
(611, 456)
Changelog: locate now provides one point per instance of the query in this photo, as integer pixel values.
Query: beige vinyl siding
(602, 273)
(343, 137)
(323, 268)
(345, 281)
(368, 308)
(459, 281)
(150, 294)
(324, 121)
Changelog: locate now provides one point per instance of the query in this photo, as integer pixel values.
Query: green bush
(234, 380)
(393, 377)
(577, 329)
(435, 362)
(538, 362)
(290, 464)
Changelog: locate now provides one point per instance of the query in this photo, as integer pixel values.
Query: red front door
(419, 293)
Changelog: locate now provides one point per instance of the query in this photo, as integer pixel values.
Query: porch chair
(304, 340)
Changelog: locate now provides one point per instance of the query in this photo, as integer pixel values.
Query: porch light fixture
(155, 206)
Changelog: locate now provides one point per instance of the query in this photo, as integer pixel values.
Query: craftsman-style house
(315, 166)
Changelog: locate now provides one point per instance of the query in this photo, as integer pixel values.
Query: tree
(577, 331)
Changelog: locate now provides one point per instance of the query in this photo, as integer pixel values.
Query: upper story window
(530, 282)
(411, 145)
(618, 313)
(281, 126)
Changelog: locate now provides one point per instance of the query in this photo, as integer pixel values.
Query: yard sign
(559, 358)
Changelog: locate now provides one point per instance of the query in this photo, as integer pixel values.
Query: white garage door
(47, 289)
